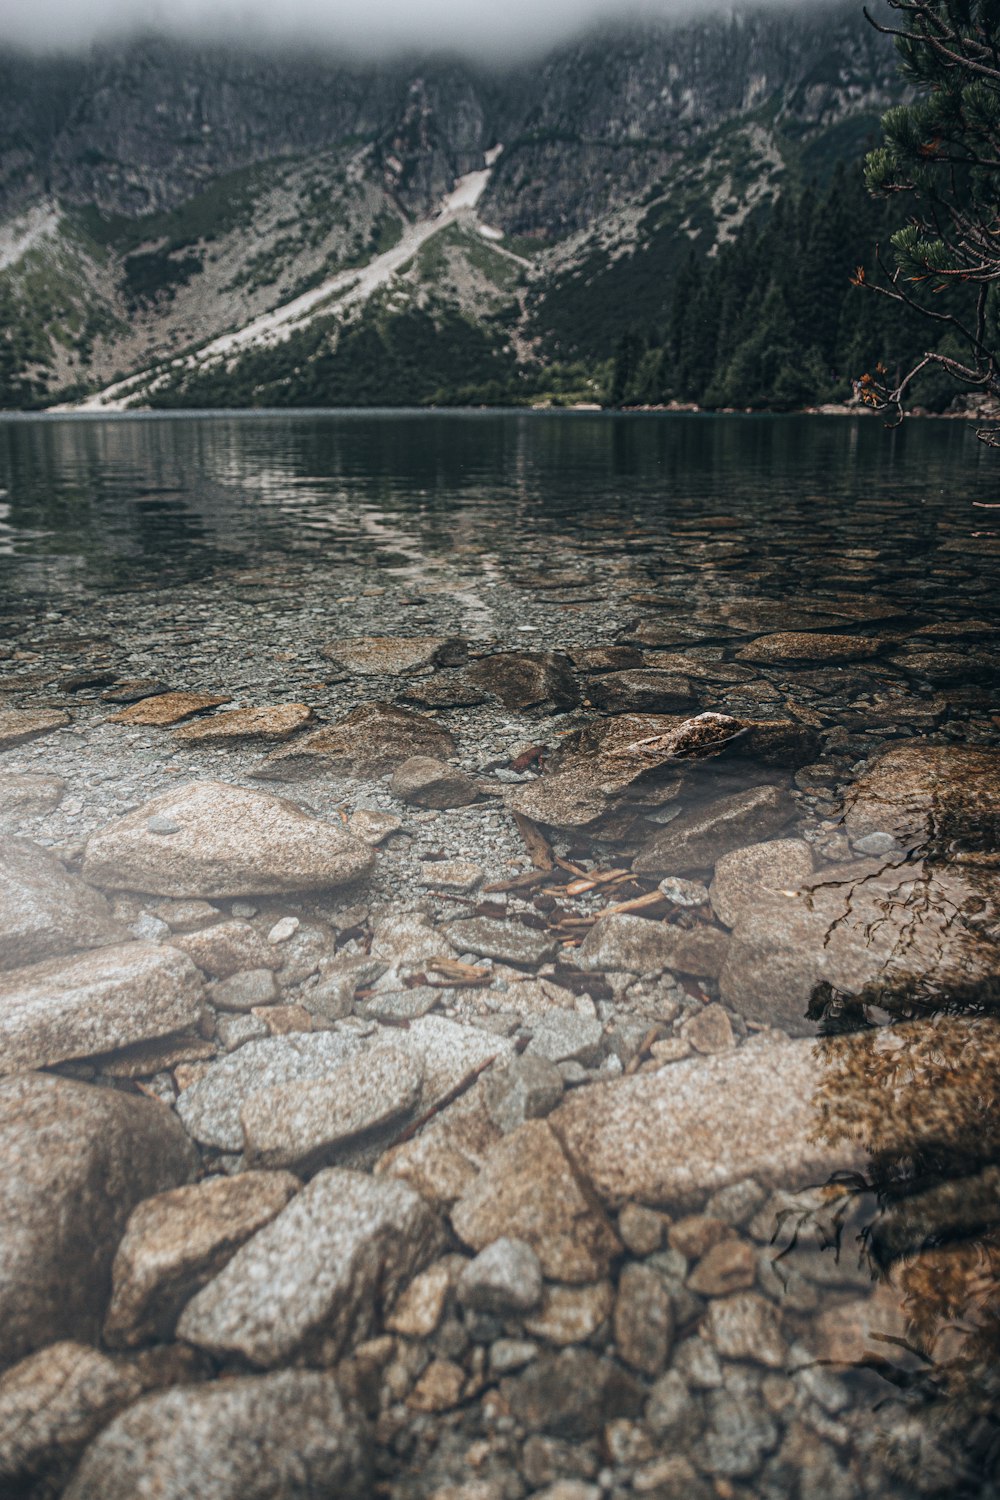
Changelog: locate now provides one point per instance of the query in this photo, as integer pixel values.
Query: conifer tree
(943, 153)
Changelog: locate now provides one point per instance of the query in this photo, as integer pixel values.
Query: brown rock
(527, 679)
(371, 740)
(892, 934)
(224, 841)
(20, 724)
(167, 708)
(44, 910)
(640, 1229)
(251, 1438)
(571, 1314)
(793, 645)
(622, 943)
(94, 1003)
(641, 692)
(52, 1404)
(378, 655)
(701, 951)
(426, 782)
(26, 792)
(277, 722)
(741, 875)
(228, 948)
(730, 1266)
(644, 1319)
(696, 839)
(709, 1030)
(177, 1241)
(746, 1326)
(934, 794)
(439, 1387)
(543, 1205)
(572, 1394)
(77, 1160)
(420, 1306)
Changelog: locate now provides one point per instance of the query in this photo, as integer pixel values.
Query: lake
(619, 792)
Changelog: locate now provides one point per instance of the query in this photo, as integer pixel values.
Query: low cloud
(378, 28)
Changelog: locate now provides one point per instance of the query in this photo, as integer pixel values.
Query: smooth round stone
(875, 843)
(684, 892)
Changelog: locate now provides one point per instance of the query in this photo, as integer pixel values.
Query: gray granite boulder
(211, 839)
(94, 1003)
(44, 910)
(76, 1162)
(309, 1284)
(288, 1436)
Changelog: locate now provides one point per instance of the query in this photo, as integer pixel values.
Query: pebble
(746, 1326)
(508, 942)
(709, 1030)
(426, 782)
(459, 875)
(283, 929)
(241, 992)
(643, 1319)
(565, 1036)
(680, 892)
(166, 708)
(571, 1314)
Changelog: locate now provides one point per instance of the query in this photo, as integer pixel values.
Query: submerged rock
(933, 795)
(543, 1206)
(44, 910)
(527, 679)
(378, 655)
(371, 740)
(20, 724)
(252, 1438)
(246, 724)
(641, 692)
(76, 1162)
(697, 838)
(96, 1002)
(427, 782)
(177, 1241)
(211, 839)
(793, 645)
(743, 874)
(877, 932)
(26, 792)
(167, 708)
(52, 1404)
(309, 1283)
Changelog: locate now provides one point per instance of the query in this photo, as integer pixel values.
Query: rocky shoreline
(438, 1067)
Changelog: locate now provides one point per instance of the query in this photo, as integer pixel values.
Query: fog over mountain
(515, 28)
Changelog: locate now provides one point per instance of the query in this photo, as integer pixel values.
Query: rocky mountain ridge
(154, 195)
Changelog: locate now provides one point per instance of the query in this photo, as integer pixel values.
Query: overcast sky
(375, 27)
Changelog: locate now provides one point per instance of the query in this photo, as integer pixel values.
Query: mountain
(188, 224)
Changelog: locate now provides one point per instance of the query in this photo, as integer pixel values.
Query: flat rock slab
(52, 1404)
(302, 1124)
(696, 839)
(308, 1284)
(795, 645)
(20, 724)
(527, 679)
(930, 794)
(26, 792)
(211, 839)
(509, 942)
(253, 1438)
(164, 709)
(97, 1002)
(426, 782)
(243, 725)
(210, 1108)
(385, 655)
(76, 1162)
(888, 933)
(741, 875)
(371, 740)
(786, 1113)
(177, 1241)
(528, 1190)
(638, 691)
(44, 910)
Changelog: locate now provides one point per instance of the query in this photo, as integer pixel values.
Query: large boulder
(176, 1241)
(76, 1162)
(211, 839)
(885, 933)
(310, 1283)
(94, 1003)
(51, 1405)
(44, 910)
(933, 795)
(276, 1437)
(698, 837)
(788, 1113)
